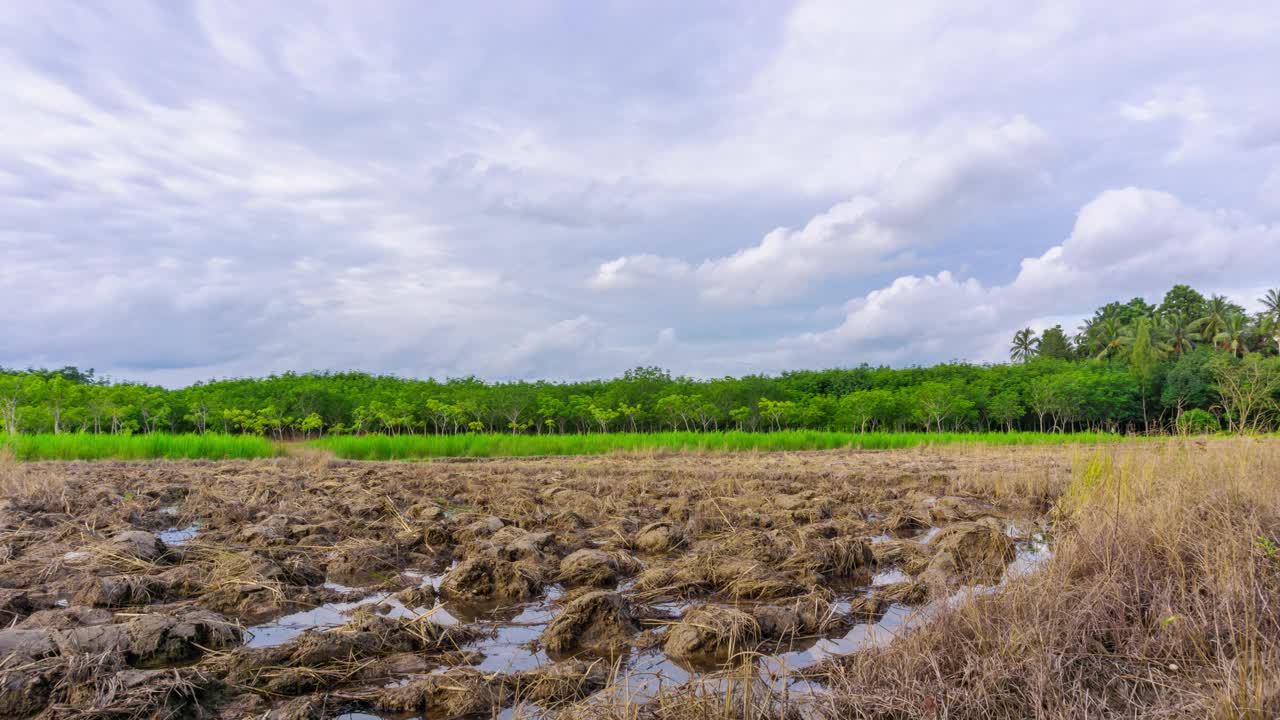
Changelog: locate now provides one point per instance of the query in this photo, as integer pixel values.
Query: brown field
(1132, 581)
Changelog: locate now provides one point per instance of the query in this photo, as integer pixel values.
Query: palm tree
(1217, 312)
(1269, 329)
(1271, 303)
(1269, 319)
(1177, 333)
(1024, 345)
(1084, 336)
(1113, 335)
(1233, 335)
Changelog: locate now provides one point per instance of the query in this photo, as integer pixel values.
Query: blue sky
(566, 190)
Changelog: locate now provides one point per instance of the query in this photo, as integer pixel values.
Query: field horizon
(376, 446)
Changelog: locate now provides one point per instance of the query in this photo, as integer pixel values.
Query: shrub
(1197, 422)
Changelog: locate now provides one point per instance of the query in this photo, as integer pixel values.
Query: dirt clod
(969, 552)
(598, 622)
(659, 537)
(484, 578)
(709, 631)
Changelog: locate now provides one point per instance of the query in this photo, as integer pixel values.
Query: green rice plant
(82, 446)
(409, 447)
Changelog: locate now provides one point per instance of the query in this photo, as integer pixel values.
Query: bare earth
(309, 588)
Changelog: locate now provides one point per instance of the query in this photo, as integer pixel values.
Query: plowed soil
(311, 588)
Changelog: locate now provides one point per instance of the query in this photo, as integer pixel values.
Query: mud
(312, 589)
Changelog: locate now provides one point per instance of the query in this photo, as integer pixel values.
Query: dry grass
(1162, 600)
(31, 488)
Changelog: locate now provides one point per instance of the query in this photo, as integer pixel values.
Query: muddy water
(512, 646)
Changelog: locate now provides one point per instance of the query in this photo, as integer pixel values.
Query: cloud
(1146, 240)
(1125, 242)
(954, 174)
(1200, 129)
(639, 271)
(237, 188)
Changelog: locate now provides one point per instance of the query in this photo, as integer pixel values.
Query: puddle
(331, 615)
(177, 535)
(284, 629)
(510, 650)
(889, 577)
(639, 675)
(331, 585)
(895, 621)
(1032, 554)
(647, 674)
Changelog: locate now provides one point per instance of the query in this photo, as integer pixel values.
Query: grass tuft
(78, 446)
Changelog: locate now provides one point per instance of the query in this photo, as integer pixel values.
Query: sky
(564, 190)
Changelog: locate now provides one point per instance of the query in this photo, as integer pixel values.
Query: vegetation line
(1188, 365)
(409, 447)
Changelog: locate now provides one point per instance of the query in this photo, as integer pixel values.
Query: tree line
(1188, 364)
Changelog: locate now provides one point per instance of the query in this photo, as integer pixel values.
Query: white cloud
(955, 173)
(1146, 240)
(636, 271)
(1124, 243)
(1200, 129)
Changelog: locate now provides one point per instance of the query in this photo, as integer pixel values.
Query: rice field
(411, 447)
(154, 446)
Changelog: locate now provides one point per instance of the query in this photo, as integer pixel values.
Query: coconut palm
(1271, 303)
(1112, 336)
(1084, 336)
(1234, 334)
(1024, 345)
(1177, 333)
(1269, 330)
(1217, 311)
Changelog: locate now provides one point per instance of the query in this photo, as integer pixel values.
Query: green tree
(1247, 387)
(12, 393)
(1112, 337)
(1234, 334)
(743, 417)
(1143, 359)
(1054, 344)
(1177, 332)
(1006, 408)
(1187, 385)
(1217, 311)
(312, 423)
(57, 393)
(1024, 344)
(1271, 302)
(1182, 300)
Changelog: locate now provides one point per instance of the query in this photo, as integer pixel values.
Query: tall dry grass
(1162, 600)
(30, 488)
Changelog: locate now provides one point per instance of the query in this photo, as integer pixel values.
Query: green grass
(75, 446)
(409, 447)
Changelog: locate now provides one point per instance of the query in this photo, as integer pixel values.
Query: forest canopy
(1190, 363)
